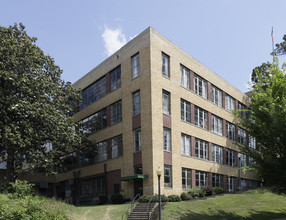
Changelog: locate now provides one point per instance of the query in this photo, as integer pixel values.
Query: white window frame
(185, 76)
(202, 149)
(166, 102)
(202, 178)
(217, 180)
(230, 131)
(136, 102)
(200, 86)
(229, 103)
(216, 94)
(201, 117)
(231, 157)
(167, 139)
(165, 65)
(135, 63)
(185, 111)
(241, 133)
(216, 125)
(186, 144)
(252, 142)
(186, 178)
(167, 175)
(217, 154)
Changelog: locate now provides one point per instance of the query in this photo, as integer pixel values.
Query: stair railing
(131, 205)
(149, 203)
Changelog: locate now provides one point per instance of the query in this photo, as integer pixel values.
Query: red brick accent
(136, 121)
(167, 158)
(210, 180)
(137, 158)
(224, 182)
(224, 155)
(108, 115)
(236, 104)
(108, 83)
(193, 146)
(167, 121)
(109, 149)
(223, 128)
(192, 113)
(223, 99)
(112, 177)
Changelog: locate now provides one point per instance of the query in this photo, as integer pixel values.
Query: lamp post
(159, 172)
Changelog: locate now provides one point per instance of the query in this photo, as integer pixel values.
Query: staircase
(140, 212)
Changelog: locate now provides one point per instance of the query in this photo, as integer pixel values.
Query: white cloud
(113, 39)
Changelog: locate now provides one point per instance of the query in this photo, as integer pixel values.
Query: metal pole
(159, 190)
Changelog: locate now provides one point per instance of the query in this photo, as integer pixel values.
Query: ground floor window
(95, 185)
(186, 178)
(217, 180)
(202, 179)
(167, 176)
(231, 184)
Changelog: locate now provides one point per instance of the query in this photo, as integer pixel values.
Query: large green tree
(35, 105)
(267, 124)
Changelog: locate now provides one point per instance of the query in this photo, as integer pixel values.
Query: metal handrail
(131, 205)
(149, 206)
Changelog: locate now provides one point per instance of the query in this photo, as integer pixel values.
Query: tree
(267, 124)
(280, 48)
(263, 69)
(34, 106)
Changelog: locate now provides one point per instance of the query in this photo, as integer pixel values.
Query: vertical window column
(166, 102)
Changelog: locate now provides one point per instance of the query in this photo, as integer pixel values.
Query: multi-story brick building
(151, 105)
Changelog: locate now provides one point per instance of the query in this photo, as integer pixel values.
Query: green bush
(208, 191)
(174, 198)
(185, 196)
(117, 199)
(19, 189)
(146, 198)
(218, 190)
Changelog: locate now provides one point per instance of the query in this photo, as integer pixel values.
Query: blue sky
(230, 37)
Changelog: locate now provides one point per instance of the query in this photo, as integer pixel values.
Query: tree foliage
(267, 124)
(280, 48)
(34, 105)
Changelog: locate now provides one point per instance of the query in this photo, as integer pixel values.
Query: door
(138, 187)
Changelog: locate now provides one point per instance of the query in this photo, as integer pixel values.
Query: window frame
(165, 65)
(167, 143)
(202, 149)
(137, 140)
(186, 178)
(216, 96)
(200, 86)
(185, 111)
(136, 102)
(201, 118)
(217, 153)
(135, 65)
(217, 125)
(186, 150)
(168, 168)
(166, 102)
(185, 76)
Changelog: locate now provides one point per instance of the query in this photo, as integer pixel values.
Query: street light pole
(159, 172)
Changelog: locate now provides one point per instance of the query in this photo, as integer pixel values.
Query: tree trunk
(10, 172)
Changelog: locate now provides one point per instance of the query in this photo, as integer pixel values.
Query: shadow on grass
(223, 215)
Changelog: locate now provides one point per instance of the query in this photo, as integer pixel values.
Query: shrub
(117, 199)
(146, 198)
(185, 196)
(208, 190)
(174, 198)
(19, 189)
(103, 199)
(218, 190)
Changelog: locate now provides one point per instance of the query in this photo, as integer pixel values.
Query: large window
(135, 66)
(116, 146)
(115, 78)
(202, 179)
(185, 110)
(186, 178)
(243, 109)
(94, 186)
(217, 180)
(229, 103)
(242, 160)
(201, 87)
(167, 139)
(241, 136)
(216, 125)
(252, 142)
(136, 102)
(87, 156)
(95, 122)
(217, 154)
(166, 102)
(216, 96)
(137, 140)
(165, 65)
(231, 184)
(231, 157)
(185, 77)
(94, 92)
(201, 117)
(230, 131)
(167, 176)
(116, 112)
(101, 152)
(202, 149)
(186, 144)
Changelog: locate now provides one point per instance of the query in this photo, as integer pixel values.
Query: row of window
(201, 87)
(202, 179)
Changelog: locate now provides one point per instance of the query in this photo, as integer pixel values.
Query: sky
(230, 37)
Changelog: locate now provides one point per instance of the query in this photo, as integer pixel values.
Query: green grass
(253, 204)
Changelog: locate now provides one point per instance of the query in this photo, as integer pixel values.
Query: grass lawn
(253, 204)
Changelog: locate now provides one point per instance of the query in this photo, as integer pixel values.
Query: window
(186, 145)
(185, 77)
(251, 161)
(166, 103)
(87, 156)
(186, 178)
(216, 96)
(95, 122)
(252, 142)
(69, 162)
(229, 103)
(217, 154)
(116, 146)
(231, 184)
(216, 125)
(231, 157)
(137, 140)
(217, 180)
(136, 102)
(167, 176)
(242, 160)
(201, 117)
(115, 78)
(230, 131)
(201, 88)
(167, 139)
(243, 184)
(95, 185)
(202, 149)
(135, 66)
(202, 179)
(243, 109)
(94, 92)
(165, 65)
(116, 112)
(101, 151)
(241, 136)
(185, 110)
